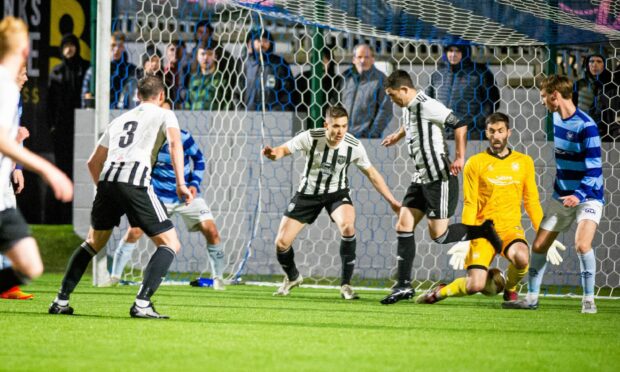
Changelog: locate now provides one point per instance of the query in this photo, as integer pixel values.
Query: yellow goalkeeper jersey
(494, 188)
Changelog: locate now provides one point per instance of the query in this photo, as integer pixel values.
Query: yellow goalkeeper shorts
(481, 252)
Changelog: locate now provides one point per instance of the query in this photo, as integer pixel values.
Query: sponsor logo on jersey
(327, 168)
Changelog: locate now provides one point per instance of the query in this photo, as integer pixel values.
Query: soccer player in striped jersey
(577, 190)
(15, 240)
(434, 188)
(121, 168)
(197, 215)
(324, 184)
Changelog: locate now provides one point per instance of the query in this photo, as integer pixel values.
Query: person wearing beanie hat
(466, 87)
(278, 79)
(64, 96)
(598, 94)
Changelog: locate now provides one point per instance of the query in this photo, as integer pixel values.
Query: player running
(434, 188)
(121, 168)
(15, 240)
(324, 184)
(496, 182)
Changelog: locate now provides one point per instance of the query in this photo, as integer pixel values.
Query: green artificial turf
(245, 328)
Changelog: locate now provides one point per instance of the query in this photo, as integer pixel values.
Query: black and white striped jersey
(424, 121)
(133, 140)
(326, 167)
(9, 120)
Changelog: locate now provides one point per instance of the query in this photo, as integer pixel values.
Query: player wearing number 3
(121, 168)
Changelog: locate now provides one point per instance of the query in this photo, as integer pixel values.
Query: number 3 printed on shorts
(130, 127)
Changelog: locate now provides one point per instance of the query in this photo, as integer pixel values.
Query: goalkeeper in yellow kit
(496, 183)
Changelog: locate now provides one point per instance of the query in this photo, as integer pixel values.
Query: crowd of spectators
(202, 75)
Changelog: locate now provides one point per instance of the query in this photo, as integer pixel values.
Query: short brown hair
(559, 83)
(9, 27)
(397, 79)
(149, 87)
(496, 117)
(118, 36)
(335, 112)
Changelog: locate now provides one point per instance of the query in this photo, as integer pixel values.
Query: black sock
(459, 232)
(155, 272)
(347, 256)
(406, 254)
(10, 277)
(75, 269)
(287, 261)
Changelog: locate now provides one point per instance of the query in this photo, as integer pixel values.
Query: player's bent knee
(583, 248)
(282, 245)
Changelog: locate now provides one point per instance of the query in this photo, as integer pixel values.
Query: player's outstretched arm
(275, 153)
(96, 161)
(460, 140)
(58, 181)
(393, 138)
(379, 183)
(175, 145)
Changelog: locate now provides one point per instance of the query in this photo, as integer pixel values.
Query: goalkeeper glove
(553, 256)
(457, 253)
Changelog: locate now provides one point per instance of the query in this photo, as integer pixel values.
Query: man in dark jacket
(466, 87)
(278, 80)
(598, 95)
(65, 83)
(362, 94)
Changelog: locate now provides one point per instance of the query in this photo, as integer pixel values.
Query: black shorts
(140, 204)
(13, 228)
(306, 208)
(437, 199)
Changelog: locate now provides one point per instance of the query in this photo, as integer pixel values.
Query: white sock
(531, 298)
(61, 302)
(142, 303)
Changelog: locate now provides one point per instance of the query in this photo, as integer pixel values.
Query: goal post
(248, 196)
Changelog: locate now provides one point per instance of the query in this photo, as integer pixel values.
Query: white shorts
(192, 214)
(559, 218)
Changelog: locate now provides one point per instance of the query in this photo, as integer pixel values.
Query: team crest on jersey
(570, 135)
(515, 166)
(341, 159)
(490, 168)
(291, 206)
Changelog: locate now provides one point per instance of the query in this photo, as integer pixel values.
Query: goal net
(255, 102)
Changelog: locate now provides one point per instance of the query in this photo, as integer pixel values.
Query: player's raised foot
(287, 285)
(347, 293)
(520, 305)
(588, 307)
(431, 296)
(112, 282)
(491, 235)
(510, 295)
(55, 308)
(16, 294)
(398, 294)
(218, 284)
(148, 312)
